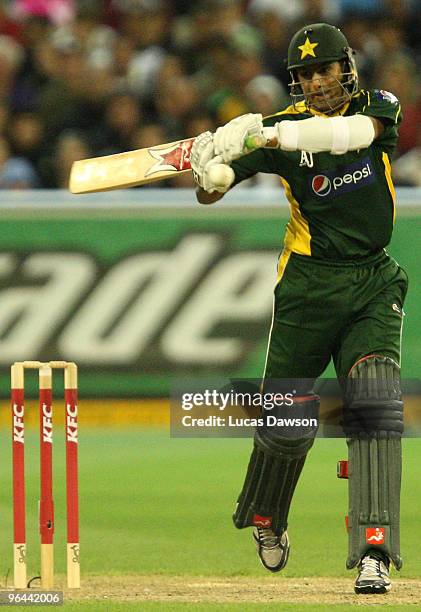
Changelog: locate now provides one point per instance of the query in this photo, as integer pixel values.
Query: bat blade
(131, 168)
(144, 166)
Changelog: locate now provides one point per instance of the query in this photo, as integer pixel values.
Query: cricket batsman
(338, 295)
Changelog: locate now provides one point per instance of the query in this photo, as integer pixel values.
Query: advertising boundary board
(79, 274)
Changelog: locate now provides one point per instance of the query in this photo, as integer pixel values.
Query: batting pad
(375, 468)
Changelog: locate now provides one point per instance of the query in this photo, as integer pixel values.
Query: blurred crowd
(81, 78)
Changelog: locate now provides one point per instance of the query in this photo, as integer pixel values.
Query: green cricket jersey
(342, 206)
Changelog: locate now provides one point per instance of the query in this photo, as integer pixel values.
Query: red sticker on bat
(173, 158)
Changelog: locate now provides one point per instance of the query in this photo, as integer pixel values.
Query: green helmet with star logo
(317, 43)
(321, 43)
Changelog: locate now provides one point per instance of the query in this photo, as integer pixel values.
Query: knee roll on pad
(373, 397)
(272, 475)
(373, 422)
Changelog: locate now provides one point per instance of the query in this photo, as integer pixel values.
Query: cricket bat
(142, 166)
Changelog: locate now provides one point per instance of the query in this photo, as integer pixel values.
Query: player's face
(321, 85)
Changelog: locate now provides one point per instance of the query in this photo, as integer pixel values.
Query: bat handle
(269, 140)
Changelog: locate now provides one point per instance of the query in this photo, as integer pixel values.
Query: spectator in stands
(71, 146)
(401, 78)
(58, 11)
(8, 25)
(109, 68)
(11, 58)
(275, 35)
(26, 137)
(61, 101)
(407, 169)
(122, 117)
(15, 172)
(174, 101)
(266, 95)
(149, 135)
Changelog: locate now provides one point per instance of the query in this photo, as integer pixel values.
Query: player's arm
(378, 119)
(378, 127)
(335, 135)
(204, 197)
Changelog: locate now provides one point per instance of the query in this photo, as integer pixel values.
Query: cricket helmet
(321, 43)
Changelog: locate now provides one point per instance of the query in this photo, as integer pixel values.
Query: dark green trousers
(339, 311)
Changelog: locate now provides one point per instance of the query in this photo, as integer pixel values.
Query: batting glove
(229, 140)
(208, 182)
(201, 153)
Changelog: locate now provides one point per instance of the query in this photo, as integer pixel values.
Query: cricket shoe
(373, 575)
(273, 550)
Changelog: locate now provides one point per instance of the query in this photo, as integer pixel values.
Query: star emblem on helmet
(307, 48)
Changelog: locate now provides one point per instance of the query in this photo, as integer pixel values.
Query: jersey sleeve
(386, 107)
(261, 160)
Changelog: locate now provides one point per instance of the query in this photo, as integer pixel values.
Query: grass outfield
(152, 505)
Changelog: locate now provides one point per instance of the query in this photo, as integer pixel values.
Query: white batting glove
(229, 140)
(201, 153)
(217, 176)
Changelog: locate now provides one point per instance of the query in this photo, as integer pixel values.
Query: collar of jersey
(340, 111)
(301, 107)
